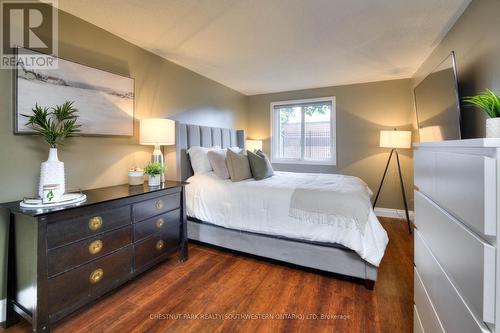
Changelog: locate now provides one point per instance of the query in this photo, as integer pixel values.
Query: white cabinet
(456, 221)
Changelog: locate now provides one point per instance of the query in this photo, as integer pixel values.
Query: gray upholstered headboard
(187, 136)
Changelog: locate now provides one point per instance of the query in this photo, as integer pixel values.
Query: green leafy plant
(487, 101)
(154, 169)
(56, 123)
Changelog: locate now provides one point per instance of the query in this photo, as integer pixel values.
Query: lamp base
(157, 157)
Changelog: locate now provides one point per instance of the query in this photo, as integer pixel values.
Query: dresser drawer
(464, 185)
(453, 313)
(453, 244)
(427, 316)
(170, 220)
(146, 251)
(79, 227)
(156, 206)
(75, 254)
(75, 288)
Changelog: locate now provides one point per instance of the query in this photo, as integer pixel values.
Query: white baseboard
(2, 310)
(394, 213)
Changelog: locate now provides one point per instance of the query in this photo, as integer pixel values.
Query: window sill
(304, 162)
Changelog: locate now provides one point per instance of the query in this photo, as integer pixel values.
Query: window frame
(333, 133)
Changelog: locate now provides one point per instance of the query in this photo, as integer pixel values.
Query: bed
(253, 216)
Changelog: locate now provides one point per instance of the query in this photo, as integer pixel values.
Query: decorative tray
(66, 199)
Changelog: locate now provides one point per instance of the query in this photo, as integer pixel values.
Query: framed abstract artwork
(105, 100)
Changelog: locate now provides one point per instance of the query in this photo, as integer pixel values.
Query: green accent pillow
(238, 166)
(260, 165)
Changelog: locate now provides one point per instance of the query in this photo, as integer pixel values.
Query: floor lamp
(395, 140)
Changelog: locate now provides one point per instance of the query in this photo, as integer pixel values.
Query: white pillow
(237, 150)
(199, 158)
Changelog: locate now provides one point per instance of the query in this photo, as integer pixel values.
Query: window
(303, 131)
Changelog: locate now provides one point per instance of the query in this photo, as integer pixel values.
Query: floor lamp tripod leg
(404, 194)
(383, 177)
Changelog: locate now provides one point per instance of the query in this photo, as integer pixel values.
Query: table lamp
(395, 140)
(157, 132)
(253, 145)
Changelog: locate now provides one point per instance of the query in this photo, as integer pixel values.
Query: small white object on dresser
(457, 268)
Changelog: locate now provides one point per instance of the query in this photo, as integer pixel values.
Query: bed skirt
(332, 258)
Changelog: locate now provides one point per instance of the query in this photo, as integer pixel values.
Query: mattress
(263, 207)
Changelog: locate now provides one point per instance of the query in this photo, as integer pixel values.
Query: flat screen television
(437, 103)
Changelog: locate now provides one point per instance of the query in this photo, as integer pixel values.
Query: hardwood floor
(214, 282)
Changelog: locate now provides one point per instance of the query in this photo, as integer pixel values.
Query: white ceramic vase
(52, 172)
(154, 180)
(493, 128)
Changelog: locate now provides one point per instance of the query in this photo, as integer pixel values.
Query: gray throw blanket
(332, 199)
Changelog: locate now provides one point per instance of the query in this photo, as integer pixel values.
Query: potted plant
(54, 124)
(154, 171)
(489, 102)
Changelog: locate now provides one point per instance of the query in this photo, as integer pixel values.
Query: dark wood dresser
(61, 259)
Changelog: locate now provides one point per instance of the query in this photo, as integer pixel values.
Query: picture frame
(105, 100)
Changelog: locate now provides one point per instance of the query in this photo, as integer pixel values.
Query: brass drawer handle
(160, 222)
(95, 223)
(160, 244)
(95, 247)
(96, 276)
(159, 204)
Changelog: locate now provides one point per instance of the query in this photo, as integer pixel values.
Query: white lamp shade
(157, 131)
(395, 139)
(253, 145)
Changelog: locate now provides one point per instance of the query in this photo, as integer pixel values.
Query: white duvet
(263, 206)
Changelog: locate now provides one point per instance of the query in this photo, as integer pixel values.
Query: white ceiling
(262, 46)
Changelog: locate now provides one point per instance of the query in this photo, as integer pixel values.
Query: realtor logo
(28, 26)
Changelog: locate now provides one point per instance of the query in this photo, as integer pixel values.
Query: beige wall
(163, 89)
(362, 111)
(476, 42)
